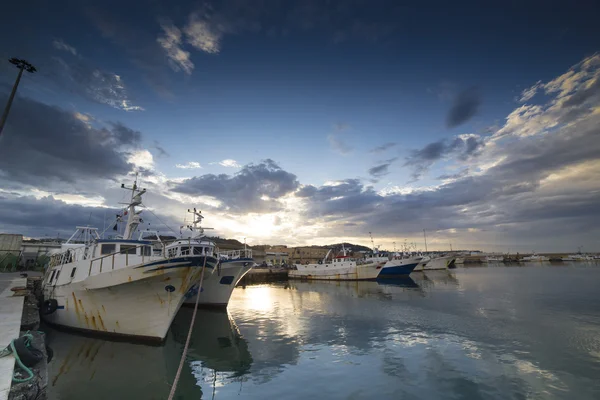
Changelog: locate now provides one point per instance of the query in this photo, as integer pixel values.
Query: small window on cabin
(128, 249)
(147, 250)
(52, 276)
(73, 272)
(185, 250)
(108, 248)
(198, 251)
(172, 252)
(57, 274)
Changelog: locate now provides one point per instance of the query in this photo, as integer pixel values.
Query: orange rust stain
(67, 305)
(117, 323)
(103, 309)
(87, 351)
(129, 280)
(101, 322)
(159, 299)
(81, 305)
(87, 321)
(75, 301)
(167, 279)
(94, 323)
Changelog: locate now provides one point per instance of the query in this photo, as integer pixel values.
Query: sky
(308, 122)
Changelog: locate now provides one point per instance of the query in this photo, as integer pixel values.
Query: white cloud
(229, 163)
(189, 165)
(170, 41)
(203, 34)
(59, 44)
(142, 158)
(528, 94)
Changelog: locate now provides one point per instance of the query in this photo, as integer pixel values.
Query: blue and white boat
(231, 268)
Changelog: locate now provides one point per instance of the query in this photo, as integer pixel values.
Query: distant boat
(436, 262)
(494, 259)
(535, 257)
(339, 268)
(578, 257)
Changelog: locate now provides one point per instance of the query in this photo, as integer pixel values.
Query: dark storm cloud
(48, 216)
(383, 147)
(42, 144)
(464, 107)
(462, 147)
(382, 169)
(242, 192)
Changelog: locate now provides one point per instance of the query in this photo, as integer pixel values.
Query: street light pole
(22, 65)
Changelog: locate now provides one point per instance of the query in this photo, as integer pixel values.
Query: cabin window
(52, 276)
(108, 248)
(147, 250)
(172, 252)
(57, 274)
(73, 272)
(198, 251)
(185, 250)
(128, 249)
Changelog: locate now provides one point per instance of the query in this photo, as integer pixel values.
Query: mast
(425, 236)
(372, 242)
(133, 217)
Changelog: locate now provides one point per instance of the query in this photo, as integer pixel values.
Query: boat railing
(112, 257)
(235, 254)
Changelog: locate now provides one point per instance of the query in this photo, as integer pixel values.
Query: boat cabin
(190, 247)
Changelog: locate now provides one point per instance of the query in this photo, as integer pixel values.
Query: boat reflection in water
(136, 371)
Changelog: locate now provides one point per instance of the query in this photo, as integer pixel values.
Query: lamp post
(23, 66)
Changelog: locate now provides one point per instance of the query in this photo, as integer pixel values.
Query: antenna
(372, 243)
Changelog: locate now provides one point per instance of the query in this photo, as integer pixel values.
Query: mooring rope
(189, 336)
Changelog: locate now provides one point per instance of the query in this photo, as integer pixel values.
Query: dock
(11, 310)
(264, 275)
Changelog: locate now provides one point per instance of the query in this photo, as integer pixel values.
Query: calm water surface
(490, 332)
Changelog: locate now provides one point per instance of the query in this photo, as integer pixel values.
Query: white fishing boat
(578, 257)
(493, 258)
(535, 258)
(121, 286)
(339, 268)
(436, 262)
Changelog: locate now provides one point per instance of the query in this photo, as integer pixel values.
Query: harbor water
(485, 332)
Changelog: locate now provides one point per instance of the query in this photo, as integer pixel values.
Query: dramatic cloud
(189, 165)
(93, 84)
(170, 41)
(60, 45)
(48, 216)
(519, 189)
(383, 147)
(42, 144)
(255, 188)
(461, 147)
(464, 107)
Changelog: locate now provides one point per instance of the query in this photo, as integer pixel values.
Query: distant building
(33, 253)
(10, 251)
